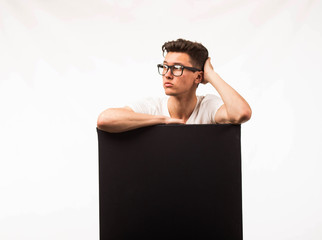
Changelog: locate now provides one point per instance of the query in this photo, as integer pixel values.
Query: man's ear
(199, 77)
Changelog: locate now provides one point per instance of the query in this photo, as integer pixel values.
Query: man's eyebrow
(175, 63)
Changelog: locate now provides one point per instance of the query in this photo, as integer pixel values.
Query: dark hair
(196, 51)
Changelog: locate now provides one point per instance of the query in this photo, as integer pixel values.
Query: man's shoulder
(150, 105)
(210, 102)
(209, 97)
(153, 100)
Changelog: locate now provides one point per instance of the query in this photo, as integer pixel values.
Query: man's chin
(170, 94)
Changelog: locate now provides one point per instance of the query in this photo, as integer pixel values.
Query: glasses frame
(192, 69)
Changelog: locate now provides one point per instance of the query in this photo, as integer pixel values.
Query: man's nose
(169, 74)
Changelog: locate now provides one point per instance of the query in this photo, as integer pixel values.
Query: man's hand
(170, 120)
(208, 70)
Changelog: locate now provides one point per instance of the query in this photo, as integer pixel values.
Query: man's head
(197, 52)
(182, 68)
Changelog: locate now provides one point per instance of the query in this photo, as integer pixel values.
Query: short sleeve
(210, 105)
(150, 106)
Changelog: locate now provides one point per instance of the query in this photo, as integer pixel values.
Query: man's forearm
(120, 120)
(116, 120)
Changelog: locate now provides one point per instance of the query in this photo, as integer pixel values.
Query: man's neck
(182, 107)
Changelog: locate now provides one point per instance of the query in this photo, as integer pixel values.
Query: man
(186, 64)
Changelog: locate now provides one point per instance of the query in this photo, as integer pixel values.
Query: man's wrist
(212, 77)
(160, 119)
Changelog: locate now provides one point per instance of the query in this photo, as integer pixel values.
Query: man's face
(184, 84)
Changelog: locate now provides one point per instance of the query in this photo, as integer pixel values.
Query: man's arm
(235, 108)
(116, 120)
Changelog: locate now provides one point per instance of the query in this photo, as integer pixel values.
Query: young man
(186, 64)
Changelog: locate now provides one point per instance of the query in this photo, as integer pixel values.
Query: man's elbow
(105, 120)
(243, 116)
(100, 123)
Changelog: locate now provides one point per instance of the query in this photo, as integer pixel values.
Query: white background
(63, 62)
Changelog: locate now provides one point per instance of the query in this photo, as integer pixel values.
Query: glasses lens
(177, 70)
(162, 69)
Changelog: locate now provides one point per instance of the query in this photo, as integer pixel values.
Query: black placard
(171, 182)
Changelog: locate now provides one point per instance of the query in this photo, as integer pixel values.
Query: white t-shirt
(203, 113)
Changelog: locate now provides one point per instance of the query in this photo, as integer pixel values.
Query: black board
(171, 182)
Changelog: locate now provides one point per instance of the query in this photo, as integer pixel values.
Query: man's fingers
(174, 121)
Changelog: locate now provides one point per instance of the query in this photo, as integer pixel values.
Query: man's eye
(177, 67)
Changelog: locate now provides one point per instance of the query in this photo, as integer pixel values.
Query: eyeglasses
(176, 70)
